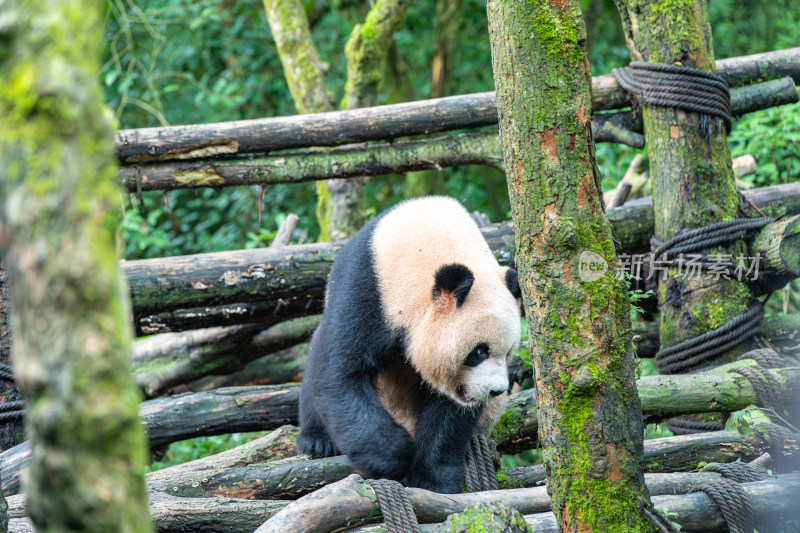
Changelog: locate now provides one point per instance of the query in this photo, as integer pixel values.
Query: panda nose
(496, 392)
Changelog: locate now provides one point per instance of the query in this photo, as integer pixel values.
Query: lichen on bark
(70, 317)
(590, 421)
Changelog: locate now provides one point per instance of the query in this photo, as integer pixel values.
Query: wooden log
(662, 396)
(266, 313)
(267, 407)
(233, 410)
(779, 246)
(607, 93)
(223, 515)
(278, 444)
(293, 278)
(382, 122)
(297, 476)
(348, 162)
(764, 95)
(620, 194)
(285, 479)
(434, 153)
(238, 473)
(291, 274)
(694, 512)
(163, 361)
(351, 502)
(273, 369)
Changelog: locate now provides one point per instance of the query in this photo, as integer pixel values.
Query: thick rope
(734, 502)
(766, 357)
(782, 443)
(479, 468)
(11, 415)
(686, 426)
(6, 372)
(12, 406)
(689, 353)
(769, 391)
(711, 235)
(738, 472)
(398, 514)
(663, 85)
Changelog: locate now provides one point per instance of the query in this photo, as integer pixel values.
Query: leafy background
(182, 62)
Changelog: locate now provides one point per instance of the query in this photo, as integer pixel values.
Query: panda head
(463, 342)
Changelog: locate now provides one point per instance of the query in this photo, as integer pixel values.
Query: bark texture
(303, 69)
(690, 167)
(12, 432)
(577, 313)
(67, 308)
(366, 51)
(347, 162)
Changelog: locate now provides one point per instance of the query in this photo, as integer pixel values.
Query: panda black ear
(455, 279)
(512, 282)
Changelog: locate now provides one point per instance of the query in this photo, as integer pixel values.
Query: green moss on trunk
(303, 69)
(340, 203)
(71, 320)
(693, 182)
(366, 51)
(590, 419)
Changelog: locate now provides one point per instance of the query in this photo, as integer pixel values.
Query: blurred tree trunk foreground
(590, 419)
(58, 208)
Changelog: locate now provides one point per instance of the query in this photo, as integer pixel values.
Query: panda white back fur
(410, 359)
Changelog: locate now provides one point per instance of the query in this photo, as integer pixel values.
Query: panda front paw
(316, 443)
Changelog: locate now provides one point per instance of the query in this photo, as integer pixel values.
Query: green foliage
(189, 450)
(772, 136)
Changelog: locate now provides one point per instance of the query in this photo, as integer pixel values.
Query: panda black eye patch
(478, 355)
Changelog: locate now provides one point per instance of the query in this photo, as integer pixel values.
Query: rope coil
(398, 514)
(738, 472)
(686, 426)
(6, 372)
(708, 236)
(766, 357)
(480, 473)
(734, 502)
(769, 391)
(691, 352)
(690, 89)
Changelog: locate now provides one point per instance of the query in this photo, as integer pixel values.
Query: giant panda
(410, 358)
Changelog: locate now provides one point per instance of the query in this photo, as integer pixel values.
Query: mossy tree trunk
(693, 183)
(340, 202)
(12, 431)
(69, 314)
(303, 69)
(590, 419)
